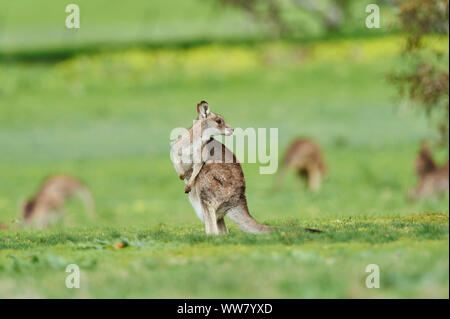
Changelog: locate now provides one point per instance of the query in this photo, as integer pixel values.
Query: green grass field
(106, 118)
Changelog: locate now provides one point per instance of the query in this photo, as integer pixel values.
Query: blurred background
(99, 103)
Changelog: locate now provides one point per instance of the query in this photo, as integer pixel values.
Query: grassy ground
(106, 118)
(173, 261)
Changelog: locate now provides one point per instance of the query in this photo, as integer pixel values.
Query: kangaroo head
(424, 161)
(212, 124)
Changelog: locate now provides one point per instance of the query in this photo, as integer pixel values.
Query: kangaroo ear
(203, 109)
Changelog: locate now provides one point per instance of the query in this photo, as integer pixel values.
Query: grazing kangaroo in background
(190, 143)
(306, 158)
(433, 179)
(51, 197)
(219, 187)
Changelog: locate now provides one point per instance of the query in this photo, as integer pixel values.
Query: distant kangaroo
(433, 179)
(305, 157)
(219, 187)
(51, 197)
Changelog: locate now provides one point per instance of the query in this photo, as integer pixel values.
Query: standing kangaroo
(433, 179)
(51, 197)
(219, 187)
(306, 158)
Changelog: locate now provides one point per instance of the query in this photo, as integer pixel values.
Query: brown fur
(220, 189)
(432, 179)
(305, 157)
(192, 142)
(52, 196)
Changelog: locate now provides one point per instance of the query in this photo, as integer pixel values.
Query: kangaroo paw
(187, 189)
(182, 176)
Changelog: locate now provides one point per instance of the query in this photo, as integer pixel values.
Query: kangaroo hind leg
(314, 178)
(209, 216)
(222, 226)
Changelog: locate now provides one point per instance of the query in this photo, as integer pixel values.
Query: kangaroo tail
(241, 217)
(245, 221)
(87, 199)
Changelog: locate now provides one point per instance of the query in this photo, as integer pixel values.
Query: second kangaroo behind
(433, 179)
(304, 156)
(51, 197)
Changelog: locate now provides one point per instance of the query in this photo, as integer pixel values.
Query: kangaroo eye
(219, 122)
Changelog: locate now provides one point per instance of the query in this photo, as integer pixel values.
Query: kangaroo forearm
(196, 169)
